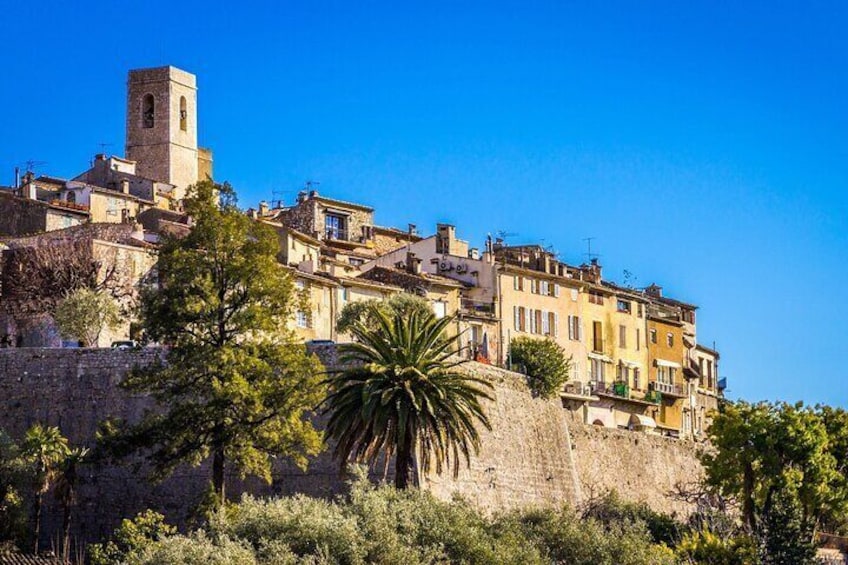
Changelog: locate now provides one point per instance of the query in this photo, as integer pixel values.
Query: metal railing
(477, 307)
(667, 388)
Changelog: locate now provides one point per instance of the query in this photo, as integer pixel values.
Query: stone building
(162, 128)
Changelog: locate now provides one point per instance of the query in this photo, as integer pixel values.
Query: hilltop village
(637, 362)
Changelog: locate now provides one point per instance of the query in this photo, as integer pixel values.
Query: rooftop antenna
(503, 234)
(103, 145)
(589, 255)
(31, 164)
(277, 198)
(311, 184)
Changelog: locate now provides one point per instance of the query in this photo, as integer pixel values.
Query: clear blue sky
(703, 145)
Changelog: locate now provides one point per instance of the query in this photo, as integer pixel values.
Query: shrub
(363, 310)
(543, 361)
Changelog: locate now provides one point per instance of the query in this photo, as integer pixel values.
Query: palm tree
(402, 394)
(66, 491)
(45, 448)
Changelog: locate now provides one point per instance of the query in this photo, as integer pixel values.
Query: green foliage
(44, 448)
(708, 548)
(387, 525)
(84, 314)
(565, 538)
(403, 396)
(14, 482)
(610, 509)
(783, 463)
(234, 386)
(543, 361)
(363, 311)
(131, 539)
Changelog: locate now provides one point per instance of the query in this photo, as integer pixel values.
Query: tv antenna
(589, 255)
(31, 165)
(277, 198)
(311, 184)
(503, 234)
(103, 145)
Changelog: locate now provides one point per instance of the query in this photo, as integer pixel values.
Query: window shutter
(579, 328)
(556, 290)
(527, 320)
(555, 323)
(515, 283)
(516, 315)
(571, 327)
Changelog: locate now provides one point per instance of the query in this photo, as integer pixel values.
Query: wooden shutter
(597, 336)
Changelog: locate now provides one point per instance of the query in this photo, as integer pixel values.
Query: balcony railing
(336, 234)
(478, 307)
(667, 388)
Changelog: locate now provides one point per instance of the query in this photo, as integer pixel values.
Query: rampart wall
(534, 455)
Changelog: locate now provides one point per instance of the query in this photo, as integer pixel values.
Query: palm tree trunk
(218, 474)
(402, 468)
(37, 525)
(66, 532)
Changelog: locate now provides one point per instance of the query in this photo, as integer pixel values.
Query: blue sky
(703, 145)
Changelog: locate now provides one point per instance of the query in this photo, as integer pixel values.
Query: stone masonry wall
(534, 454)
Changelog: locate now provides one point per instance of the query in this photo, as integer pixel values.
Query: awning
(599, 357)
(640, 421)
(664, 363)
(629, 364)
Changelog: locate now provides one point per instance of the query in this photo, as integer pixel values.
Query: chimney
(413, 264)
(29, 189)
(301, 196)
(125, 186)
(263, 209)
(100, 157)
(654, 290)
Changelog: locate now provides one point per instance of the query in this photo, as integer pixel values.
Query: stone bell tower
(162, 126)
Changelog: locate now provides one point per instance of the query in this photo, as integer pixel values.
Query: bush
(611, 509)
(543, 361)
(363, 310)
(384, 525)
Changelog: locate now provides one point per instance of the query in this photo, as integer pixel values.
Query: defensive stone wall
(534, 454)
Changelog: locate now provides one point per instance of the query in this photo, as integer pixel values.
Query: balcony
(477, 308)
(577, 390)
(668, 389)
(335, 234)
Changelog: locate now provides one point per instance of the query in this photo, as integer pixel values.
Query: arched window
(72, 197)
(183, 114)
(147, 111)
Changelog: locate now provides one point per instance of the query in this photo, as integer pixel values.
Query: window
(302, 319)
(596, 370)
(556, 290)
(355, 261)
(622, 336)
(638, 340)
(334, 227)
(300, 285)
(623, 373)
(623, 306)
(520, 318)
(147, 111)
(597, 337)
(596, 298)
(367, 233)
(518, 283)
(544, 288)
(636, 379)
(546, 323)
(653, 336)
(669, 339)
(665, 374)
(183, 114)
(553, 323)
(439, 309)
(575, 330)
(639, 310)
(71, 197)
